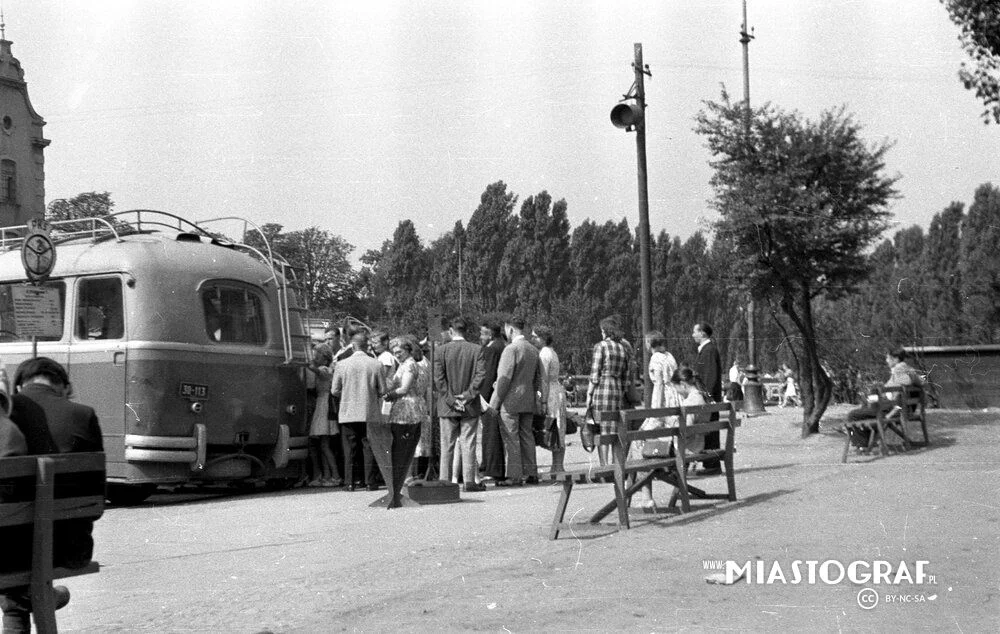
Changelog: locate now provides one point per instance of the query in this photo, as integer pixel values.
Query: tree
(85, 205)
(321, 259)
(489, 230)
(535, 267)
(979, 21)
(980, 267)
(404, 267)
(800, 202)
(943, 297)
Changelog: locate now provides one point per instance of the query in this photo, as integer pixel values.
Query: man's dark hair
(545, 334)
(459, 325)
(657, 341)
(705, 328)
(40, 366)
(899, 353)
(495, 328)
(381, 336)
(518, 322)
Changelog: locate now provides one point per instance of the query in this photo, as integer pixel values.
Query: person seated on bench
(685, 389)
(901, 374)
(74, 428)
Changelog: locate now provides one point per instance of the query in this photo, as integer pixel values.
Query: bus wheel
(129, 494)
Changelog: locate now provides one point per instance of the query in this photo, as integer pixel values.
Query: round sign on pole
(38, 254)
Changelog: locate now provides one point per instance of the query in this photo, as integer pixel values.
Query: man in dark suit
(458, 378)
(359, 383)
(491, 338)
(43, 387)
(519, 392)
(708, 367)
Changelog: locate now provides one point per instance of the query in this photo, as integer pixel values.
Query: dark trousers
(712, 442)
(355, 440)
(493, 452)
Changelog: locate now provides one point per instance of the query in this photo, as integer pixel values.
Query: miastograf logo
(829, 572)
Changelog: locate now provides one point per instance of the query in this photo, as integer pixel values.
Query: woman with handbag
(610, 376)
(554, 427)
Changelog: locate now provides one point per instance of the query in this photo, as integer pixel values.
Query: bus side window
(100, 310)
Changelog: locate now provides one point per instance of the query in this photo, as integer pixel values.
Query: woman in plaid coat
(610, 371)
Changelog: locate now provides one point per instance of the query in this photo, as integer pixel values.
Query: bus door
(97, 355)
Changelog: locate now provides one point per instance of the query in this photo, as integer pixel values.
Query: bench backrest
(37, 491)
(626, 420)
(910, 396)
(71, 484)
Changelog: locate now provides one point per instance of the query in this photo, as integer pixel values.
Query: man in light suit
(520, 393)
(458, 379)
(360, 384)
(708, 366)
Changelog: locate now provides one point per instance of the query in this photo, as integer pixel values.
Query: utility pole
(753, 396)
(745, 38)
(645, 272)
(632, 116)
(460, 285)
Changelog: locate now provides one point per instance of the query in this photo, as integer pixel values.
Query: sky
(353, 116)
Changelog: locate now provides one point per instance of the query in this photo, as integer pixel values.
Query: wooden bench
(895, 409)
(641, 471)
(47, 489)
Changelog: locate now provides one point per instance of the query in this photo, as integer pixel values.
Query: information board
(36, 311)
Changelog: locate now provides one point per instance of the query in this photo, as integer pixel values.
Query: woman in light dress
(556, 405)
(397, 438)
(425, 446)
(321, 428)
(690, 392)
(662, 366)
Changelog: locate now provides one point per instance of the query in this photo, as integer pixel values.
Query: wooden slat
(24, 466)
(83, 507)
(23, 577)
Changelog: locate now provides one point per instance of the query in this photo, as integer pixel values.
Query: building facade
(22, 146)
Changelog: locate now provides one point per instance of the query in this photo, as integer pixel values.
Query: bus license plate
(194, 391)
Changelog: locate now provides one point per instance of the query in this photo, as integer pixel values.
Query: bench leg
(605, 510)
(623, 523)
(880, 432)
(43, 607)
(730, 477)
(557, 521)
(847, 444)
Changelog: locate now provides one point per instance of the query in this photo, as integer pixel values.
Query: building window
(8, 178)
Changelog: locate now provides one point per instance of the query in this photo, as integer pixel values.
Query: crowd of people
(503, 394)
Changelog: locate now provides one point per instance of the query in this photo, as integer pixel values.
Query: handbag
(654, 448)
(540, 431)
(633, 394)
(572, 424)
(587, 430)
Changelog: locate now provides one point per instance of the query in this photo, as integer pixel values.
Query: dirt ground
(319, 560)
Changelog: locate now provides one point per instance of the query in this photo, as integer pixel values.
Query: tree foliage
(979, 22)
(321, 262)
(800, 202)
(85, 205)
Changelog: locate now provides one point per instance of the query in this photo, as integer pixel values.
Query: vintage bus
(190, 348)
